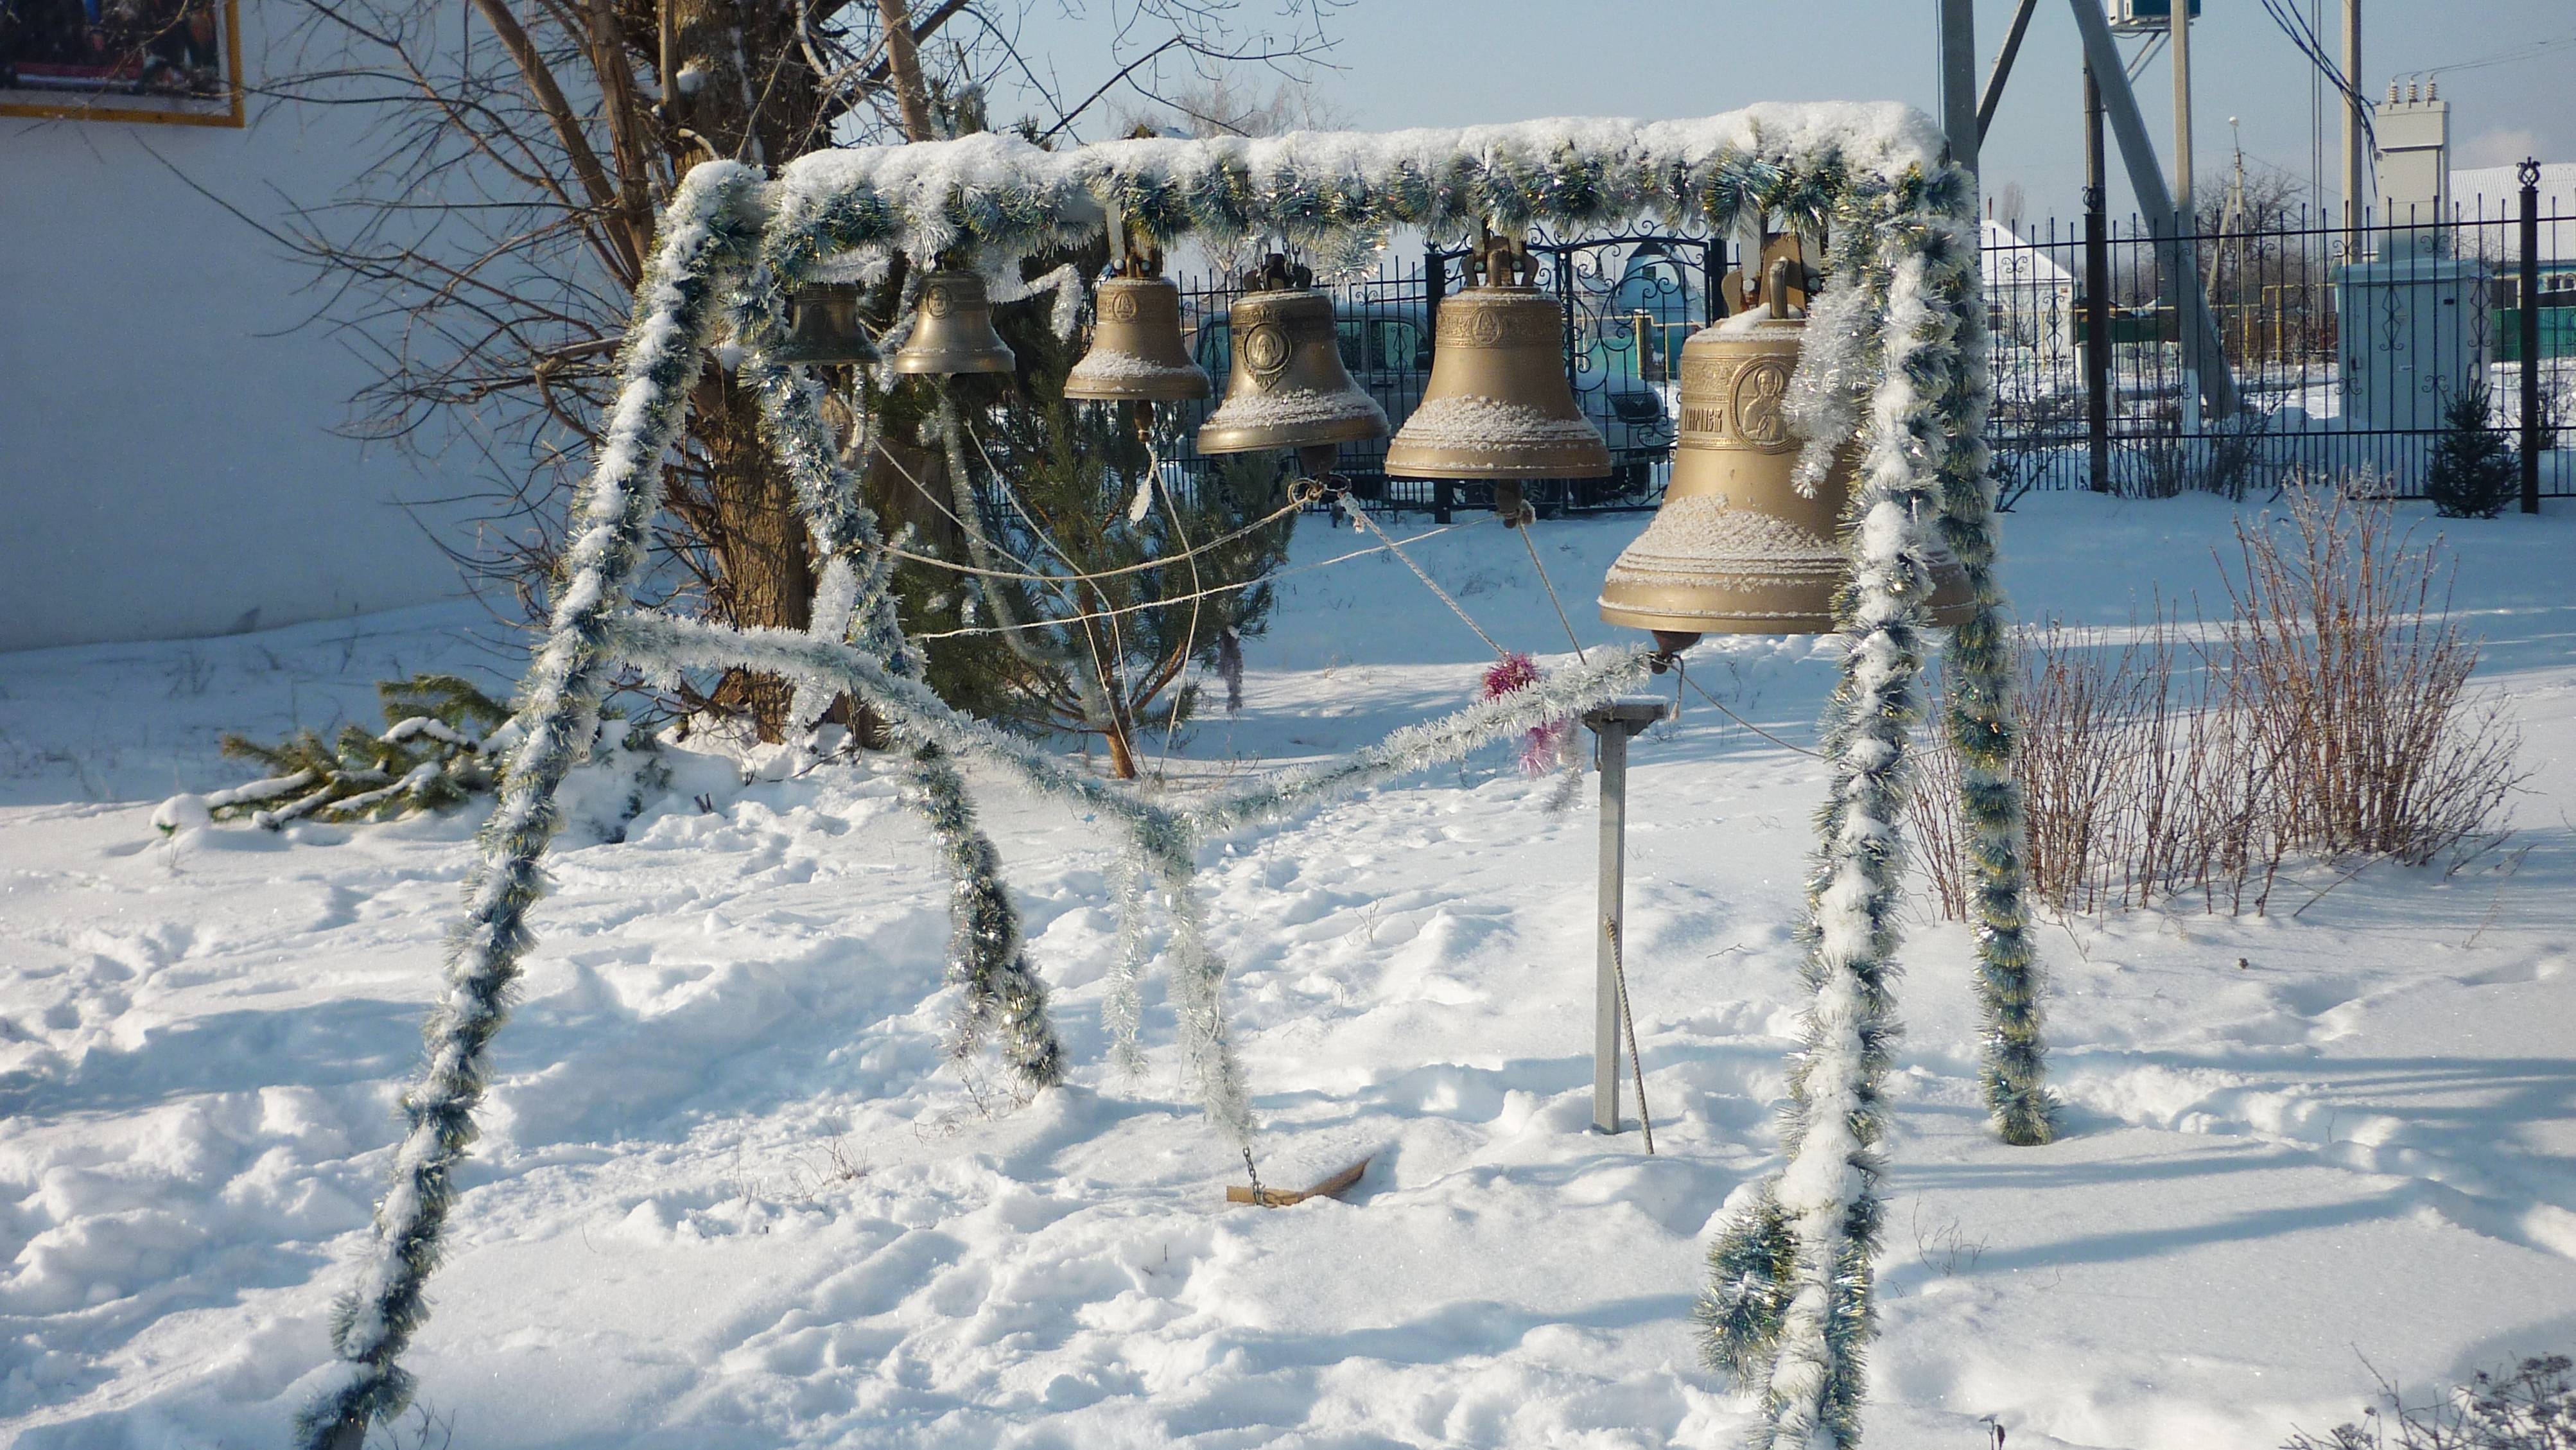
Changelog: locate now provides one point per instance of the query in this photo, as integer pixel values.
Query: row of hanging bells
(952, 328)
(1735, 547)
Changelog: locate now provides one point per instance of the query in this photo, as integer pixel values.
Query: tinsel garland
(1002, 1000)
(713, 220)
(1789, 1302)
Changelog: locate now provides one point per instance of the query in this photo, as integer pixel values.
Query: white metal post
(1612, 725)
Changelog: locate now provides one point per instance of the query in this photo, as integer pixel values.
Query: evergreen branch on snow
(435, 752)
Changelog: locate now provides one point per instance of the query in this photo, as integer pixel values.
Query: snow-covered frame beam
(1896, 353)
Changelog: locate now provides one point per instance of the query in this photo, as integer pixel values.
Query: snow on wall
(166, 461)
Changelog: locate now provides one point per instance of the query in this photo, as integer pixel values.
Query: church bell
(952, 330)
(1288, 388)
(1735, 548)
(1498, 404)
(1136, 354)
(823, 327)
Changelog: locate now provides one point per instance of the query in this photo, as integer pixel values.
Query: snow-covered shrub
(2533, 1408)
(2140, 782)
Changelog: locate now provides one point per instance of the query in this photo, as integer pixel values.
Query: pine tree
(2473, 475)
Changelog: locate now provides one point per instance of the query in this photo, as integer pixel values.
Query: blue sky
(1447, 62)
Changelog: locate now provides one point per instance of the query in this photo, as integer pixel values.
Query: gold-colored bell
(1288, 388)
(1136, 350)
(1735, 548)
(1498, 404)
(823, 327)
(952, 331)
(1136, 354)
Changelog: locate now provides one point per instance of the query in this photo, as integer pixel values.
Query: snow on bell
(1735, 548)
(1136, 354)
(823, 327)
(1288, 388)
(1498, 404)
(952, 330)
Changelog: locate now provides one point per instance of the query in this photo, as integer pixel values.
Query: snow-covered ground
(729, 1197)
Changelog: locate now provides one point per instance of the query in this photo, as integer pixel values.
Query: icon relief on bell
(1265, 350)
(1759, 389)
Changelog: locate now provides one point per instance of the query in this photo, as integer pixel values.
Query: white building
(167, 465)
(2030, 295)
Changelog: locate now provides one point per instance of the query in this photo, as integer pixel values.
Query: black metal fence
(2345, 349)
(1630, 299)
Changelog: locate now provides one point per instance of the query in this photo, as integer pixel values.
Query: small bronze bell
(1288, 388)
(1498, 404)
(1735, 548)
(823, 327)
(952, 331)
(1137, 355)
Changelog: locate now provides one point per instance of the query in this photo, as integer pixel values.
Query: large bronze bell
(1498, 404)
(952, 331)
(1735, 548)
(1136, 353)
(823, 327)
(1288, 388)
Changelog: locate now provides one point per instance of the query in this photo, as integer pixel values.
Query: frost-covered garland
(712, 221)
(1788, 1309)
(1003, 1000)
(1982, 726)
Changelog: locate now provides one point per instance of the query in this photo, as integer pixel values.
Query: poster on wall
(122, 60)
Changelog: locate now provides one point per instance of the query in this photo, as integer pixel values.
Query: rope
(1211, 591)
(1684, 677)
(1628, 1020)
(1360, 516)
(1532, 545)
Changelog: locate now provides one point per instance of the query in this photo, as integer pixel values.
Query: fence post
(2097, 339)
(2530, 321)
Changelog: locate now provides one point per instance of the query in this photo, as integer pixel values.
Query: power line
(2295, 26)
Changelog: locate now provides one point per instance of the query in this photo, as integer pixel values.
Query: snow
(1469, 420)
(728, 1196)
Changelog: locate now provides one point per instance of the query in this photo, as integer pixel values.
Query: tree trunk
(764, 558)
(763, 554)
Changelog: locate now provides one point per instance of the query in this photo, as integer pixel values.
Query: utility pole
(2186, 217)
(2352, 121)
(1958, 25)
(2097, 292)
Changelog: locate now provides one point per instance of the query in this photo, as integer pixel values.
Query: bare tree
(486, 261)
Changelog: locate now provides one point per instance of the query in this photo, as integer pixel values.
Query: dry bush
(2340, 636)
(2328, 715)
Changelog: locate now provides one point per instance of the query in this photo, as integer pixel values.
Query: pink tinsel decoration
(1544, 744)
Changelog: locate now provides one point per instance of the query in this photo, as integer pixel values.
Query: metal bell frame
(721, 227)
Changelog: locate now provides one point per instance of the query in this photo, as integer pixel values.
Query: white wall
(166, 464)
